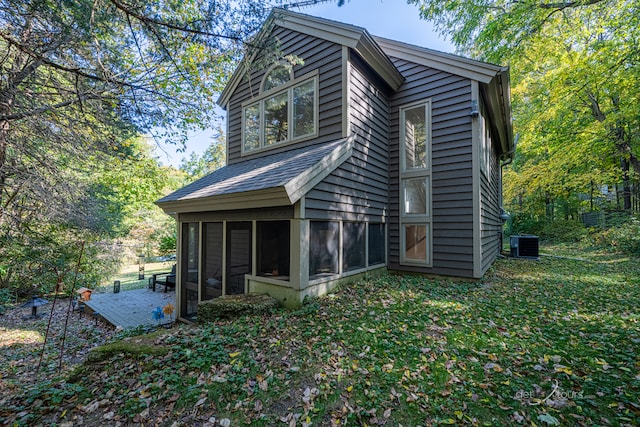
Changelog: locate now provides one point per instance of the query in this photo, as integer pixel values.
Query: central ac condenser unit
(524, 246)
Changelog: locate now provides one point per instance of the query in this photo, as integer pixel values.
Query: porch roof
(279, 179)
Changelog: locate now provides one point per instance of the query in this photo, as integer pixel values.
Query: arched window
(285, 111)
(277, 76)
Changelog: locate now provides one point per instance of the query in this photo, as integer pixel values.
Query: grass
(128, 275)
(549, 342)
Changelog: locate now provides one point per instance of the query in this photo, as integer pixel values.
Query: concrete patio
(130, 309)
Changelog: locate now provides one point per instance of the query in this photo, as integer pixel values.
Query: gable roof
(275, 180)
(356, 38)
(494, 81)
(376, 51)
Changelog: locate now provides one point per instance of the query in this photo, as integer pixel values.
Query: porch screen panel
(377, 244)
(212, 258)
(189, 270)
(273, 249)
(353, 246)
(324, 250)
(238, 256)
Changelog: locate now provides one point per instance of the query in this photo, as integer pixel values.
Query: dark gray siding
(316, 54)
(358, 189)
(490, 223)
(452, 192)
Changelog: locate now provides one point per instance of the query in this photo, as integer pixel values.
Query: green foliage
(213, 158)
(399, 350)
(558, 231)
(575, 74)
(167, 244)
(623, 238)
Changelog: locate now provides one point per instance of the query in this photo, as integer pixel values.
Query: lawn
(549, 342)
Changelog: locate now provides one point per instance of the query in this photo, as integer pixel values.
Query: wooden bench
(168, 280)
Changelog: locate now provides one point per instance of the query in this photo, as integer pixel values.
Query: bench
(168, 280)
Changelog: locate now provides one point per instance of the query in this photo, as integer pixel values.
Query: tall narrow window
(251, 127)
(276, 118)
(304, 109)
(415, 184)
(415, 138)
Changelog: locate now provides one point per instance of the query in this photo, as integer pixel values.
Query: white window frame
(407, 219)
(260, 102)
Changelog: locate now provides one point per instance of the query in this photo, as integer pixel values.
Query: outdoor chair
(168, 280)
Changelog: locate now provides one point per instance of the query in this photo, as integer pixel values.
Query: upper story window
(277, 76)
(285, 111)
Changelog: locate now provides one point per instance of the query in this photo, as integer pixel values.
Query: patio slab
(130, 309)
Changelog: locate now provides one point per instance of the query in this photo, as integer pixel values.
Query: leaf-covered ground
(549, 342)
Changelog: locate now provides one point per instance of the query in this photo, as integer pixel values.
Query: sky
(393, 19)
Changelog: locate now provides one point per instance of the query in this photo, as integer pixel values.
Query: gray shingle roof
(262, 173)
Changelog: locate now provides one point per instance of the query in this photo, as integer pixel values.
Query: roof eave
(276, 196)
(498, 100)
(483, 72)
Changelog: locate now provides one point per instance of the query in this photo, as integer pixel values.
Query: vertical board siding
(316, 54)
(452, 192)
(359, 189)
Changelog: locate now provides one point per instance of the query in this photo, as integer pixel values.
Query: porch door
(238, 256)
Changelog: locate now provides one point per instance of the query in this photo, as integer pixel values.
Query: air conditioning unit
(524, 246)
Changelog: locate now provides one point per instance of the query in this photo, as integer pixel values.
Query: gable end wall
(316, 54)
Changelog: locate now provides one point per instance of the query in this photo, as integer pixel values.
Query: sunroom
(243, 229)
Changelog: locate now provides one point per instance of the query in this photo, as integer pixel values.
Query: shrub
(623, 238)
(232, 306)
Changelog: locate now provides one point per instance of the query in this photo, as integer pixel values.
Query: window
(415, 138)
(377, 245)
(415, 243)
(273, 249)
(277, 76)
(353, 249)
(415, 196)
(280, 116)
(304, 109)
(485, 146)
(276, 114)
(324, 248)
(415, 184)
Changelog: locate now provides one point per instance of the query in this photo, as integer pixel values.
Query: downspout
(504, 215)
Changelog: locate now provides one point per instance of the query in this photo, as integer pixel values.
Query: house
(362, 155)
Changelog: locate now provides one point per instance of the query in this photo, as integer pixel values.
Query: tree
(79, 80)
(214, 157)
(575, 68)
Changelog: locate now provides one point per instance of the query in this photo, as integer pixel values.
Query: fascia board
(246, 200)
(497, 96)
(354, 37)
(483, 72)
(299, 186)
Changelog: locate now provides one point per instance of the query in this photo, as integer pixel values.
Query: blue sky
(393, 19)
